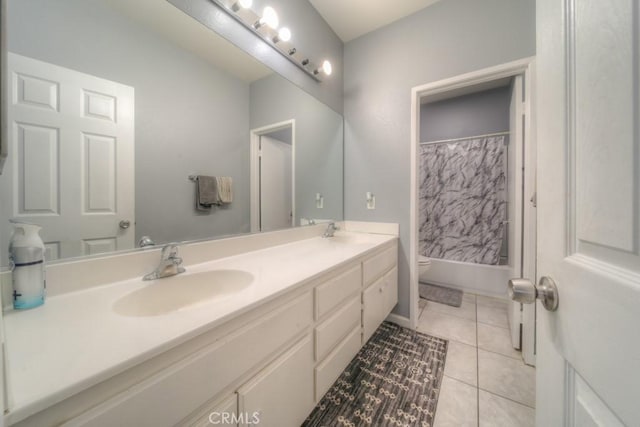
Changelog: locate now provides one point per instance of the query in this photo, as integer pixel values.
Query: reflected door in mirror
(72, 137)
(275, 184)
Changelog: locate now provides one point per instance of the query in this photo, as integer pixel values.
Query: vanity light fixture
(266, 27)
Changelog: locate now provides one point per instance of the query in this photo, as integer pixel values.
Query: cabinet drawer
(224, 412)
(204, 374)
(330, 369)
(375, 266)
(330, 294)
(282, 394)
(377, 302)
(332, 330)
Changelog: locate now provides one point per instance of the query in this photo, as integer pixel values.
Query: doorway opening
(452, 124)
(272, 176)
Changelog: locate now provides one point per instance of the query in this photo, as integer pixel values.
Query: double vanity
(259, 326)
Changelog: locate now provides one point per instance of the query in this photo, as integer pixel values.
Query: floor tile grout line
(500, 354)
(505, 398)
(491, 324)
(461, 381)
(450, 315)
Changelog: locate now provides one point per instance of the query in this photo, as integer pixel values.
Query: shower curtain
(462, 199)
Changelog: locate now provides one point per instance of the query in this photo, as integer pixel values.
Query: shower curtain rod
(442, 141)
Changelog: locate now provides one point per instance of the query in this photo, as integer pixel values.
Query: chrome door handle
(124, 224)
(524, 291)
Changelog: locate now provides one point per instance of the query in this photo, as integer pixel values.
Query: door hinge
(534, 200)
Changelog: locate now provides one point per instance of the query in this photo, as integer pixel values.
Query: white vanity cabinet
(349, 308)
(167, 397)
(272, 363)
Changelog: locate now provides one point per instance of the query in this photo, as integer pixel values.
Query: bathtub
(475, 278)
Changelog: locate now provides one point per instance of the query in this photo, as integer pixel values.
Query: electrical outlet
(319, 201)
(371, 200)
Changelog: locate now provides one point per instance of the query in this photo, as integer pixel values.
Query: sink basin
(169, 294)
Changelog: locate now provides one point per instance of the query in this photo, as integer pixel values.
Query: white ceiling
(352, 18)
(181, 29)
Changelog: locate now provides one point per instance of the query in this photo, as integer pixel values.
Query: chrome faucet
(170, 263)
(331, 228)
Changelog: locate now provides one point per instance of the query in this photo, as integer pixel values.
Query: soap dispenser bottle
(26, 253)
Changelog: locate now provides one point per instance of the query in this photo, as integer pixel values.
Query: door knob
(524, 291)
(124, 224)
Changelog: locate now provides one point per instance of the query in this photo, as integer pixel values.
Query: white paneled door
(71, 168)
(588, 116)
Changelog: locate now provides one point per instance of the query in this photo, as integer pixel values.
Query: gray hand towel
(206, 192)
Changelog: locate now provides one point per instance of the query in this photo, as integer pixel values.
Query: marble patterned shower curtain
(462, 199)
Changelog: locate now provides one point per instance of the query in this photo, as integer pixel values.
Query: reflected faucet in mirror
(170, 263)
(331, 229)
(145, 242)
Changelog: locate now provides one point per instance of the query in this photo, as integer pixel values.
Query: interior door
(588, 360)
(71, 167)
(275, 184)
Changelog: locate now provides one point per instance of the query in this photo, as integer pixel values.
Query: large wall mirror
(114, 104)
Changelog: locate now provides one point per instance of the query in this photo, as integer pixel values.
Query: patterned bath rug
(435, 293)
(394, 380)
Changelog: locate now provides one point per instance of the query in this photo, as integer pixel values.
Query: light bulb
(284, 35)
(326, 67)
(269, 17)
(244, 4)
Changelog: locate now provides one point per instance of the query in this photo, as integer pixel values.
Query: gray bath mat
(435, 293)
(393, 381)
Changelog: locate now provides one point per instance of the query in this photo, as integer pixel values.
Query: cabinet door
(282, 394)
(391, 290)
(373, 308)
(223, 412)
(377, 302)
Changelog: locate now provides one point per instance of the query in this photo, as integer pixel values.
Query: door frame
(254, 162)
(525, 68)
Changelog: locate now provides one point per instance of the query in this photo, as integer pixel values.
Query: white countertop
(76, 340)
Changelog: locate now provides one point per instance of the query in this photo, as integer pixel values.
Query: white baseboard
(399, 320)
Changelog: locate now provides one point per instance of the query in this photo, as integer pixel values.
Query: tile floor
(485, 382)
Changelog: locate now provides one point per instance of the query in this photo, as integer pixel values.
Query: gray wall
(446, 39)
(189, 116)
(311, 35)
(318, 143)
(469, 115)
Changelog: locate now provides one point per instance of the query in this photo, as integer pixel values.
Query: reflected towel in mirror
(225, 190)
(206, 192)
